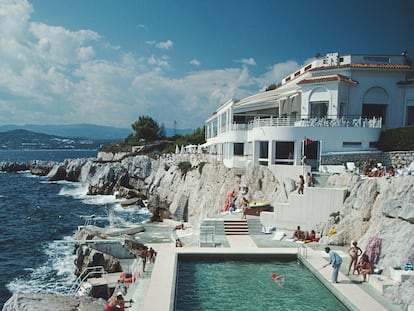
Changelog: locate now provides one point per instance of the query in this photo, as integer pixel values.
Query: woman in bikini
(354, 252)
(365, 267)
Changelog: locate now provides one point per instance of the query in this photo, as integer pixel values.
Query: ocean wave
(79, 191)
(55, 276)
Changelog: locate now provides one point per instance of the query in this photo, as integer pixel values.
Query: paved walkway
(156, 289)
(241, 241)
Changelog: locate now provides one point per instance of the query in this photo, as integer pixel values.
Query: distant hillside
(73, 130)
(23, 139)
(90, 131)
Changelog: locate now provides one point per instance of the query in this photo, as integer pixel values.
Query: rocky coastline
(382, 207)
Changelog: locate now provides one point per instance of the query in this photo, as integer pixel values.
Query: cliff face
(382, 207)
(375, 207)
(379, 207)
(201, 192)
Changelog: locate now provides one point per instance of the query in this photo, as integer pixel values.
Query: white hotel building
(340, 102)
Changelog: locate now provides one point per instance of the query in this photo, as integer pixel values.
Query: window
(223, 123)
(319, 109)
(410, 116)
(214, 128)
(284, 152)
(341, 110)
(374, 110)
(238, 149)
(264, 150)
(351, 144)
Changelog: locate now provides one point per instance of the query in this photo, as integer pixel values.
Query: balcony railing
(317, 122)
(329, 121)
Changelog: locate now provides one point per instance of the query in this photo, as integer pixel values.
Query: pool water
(246, 284)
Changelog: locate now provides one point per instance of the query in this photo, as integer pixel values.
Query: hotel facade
(334, 104)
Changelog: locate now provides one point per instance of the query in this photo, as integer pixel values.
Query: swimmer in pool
(279, 279)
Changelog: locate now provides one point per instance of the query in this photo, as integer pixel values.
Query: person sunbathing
(179, 227)
(298, 234)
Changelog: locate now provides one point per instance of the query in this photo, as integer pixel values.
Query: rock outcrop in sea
(191, 191)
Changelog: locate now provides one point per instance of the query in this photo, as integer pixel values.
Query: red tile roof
(328, 79)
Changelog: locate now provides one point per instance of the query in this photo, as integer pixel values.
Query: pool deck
(156, 288)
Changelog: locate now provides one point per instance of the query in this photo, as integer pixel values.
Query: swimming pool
(232, 282)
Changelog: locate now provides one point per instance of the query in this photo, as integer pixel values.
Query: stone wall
(396, 158)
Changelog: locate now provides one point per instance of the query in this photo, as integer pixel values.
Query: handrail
(82, 277)
(136, 267)
(302, 250)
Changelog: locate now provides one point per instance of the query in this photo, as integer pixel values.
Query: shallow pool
(235, 283)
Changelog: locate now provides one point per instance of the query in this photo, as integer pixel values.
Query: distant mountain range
(73, 130)
(89, 131)
(23, 139)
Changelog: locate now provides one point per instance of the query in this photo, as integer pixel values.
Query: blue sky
(108, 62)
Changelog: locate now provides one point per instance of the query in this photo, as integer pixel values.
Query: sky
(107, 62)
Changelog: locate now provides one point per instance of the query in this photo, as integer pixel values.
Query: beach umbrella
(182, 149)
(177, 149)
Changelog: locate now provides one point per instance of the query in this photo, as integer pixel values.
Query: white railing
(136, 269)
(282, 121)
(238, 127)
(317, 122)
(89, 271)
(302, 251)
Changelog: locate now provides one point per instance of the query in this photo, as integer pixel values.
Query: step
(236, 227)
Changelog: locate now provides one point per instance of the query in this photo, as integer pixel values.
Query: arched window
(375, 103)
(319, 103)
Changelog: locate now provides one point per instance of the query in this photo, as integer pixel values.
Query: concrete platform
(155, 288)
(161, 289)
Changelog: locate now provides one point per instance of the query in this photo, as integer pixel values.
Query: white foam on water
(55, 276)
(79, 191)
(27, 174)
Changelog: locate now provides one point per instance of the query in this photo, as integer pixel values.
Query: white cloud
(195, 62)
(248, 61)
(166, 45)
(159, 61)
(276, 73)
(52, 75)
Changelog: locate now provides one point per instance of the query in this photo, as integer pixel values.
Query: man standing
(335, 260)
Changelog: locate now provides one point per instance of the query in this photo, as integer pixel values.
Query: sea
(38, 220)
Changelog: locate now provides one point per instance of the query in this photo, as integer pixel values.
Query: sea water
(36, 216)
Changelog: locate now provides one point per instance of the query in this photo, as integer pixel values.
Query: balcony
(316, 122)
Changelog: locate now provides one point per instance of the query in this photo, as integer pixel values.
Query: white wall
(307, 210)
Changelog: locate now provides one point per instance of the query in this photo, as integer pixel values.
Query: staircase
(236, 227)
(255, 226)
(320, 179)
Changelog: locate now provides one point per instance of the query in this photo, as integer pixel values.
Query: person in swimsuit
(354, 252)
(244, 205)
(279, 279)
(301, 183)
(116, 303)
(365, 267)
